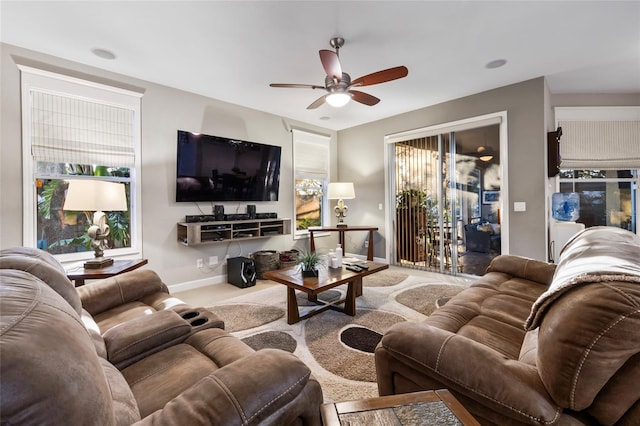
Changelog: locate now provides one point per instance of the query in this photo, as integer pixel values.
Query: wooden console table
(341, 230)
(79, 275)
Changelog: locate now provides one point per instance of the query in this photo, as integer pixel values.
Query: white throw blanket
(597, 254)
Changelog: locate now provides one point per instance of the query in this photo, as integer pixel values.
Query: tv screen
(214, 168)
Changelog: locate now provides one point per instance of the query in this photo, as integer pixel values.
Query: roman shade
(600, 138)
(310, 155)
(73, 130)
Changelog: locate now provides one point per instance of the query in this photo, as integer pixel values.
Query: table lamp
(89, 195)
(341, 191)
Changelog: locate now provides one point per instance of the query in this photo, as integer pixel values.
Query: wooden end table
(438, 407)
(79, 275)
(327, 278)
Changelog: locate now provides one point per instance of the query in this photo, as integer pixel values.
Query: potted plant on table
(309, 262)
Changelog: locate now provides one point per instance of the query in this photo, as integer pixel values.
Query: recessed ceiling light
(496, 63)
(103, 53)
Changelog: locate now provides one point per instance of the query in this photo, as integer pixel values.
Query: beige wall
(164, 110)
(359, 155)
(524, 104)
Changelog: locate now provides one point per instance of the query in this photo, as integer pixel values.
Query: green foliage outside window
(60, 231)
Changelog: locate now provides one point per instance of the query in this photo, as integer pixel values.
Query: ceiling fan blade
(363, 98)
(381, 76)
(317, 102)
(331, 64)
(296, 86)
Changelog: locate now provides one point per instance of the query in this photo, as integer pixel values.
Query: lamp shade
(95, 195)
(341, 190)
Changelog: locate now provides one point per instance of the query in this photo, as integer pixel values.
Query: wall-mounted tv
(214, 168)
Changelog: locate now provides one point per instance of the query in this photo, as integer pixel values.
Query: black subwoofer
(241, 271)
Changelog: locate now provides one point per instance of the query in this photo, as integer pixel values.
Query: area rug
(337, 347)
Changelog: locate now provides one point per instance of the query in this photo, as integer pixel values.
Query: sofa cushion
(159, 378)
(39, 266)
(493, 309)
(47, 377)
(589, 349)
(125, 407)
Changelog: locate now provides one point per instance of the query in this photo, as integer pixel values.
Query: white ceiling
(232, 50)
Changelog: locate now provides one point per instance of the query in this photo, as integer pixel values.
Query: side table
(79, 275)
(437, 407)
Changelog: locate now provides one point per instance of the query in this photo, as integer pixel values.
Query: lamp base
(342, 225)
(98, 263)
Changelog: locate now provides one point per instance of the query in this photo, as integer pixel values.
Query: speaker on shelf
(241, 271)
(218, 212)
(251, 211)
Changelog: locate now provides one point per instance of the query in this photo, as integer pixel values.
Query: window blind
(604, 145)
(310, 155)
(73, 130)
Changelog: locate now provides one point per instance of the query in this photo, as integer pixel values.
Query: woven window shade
(72, 130)
(604, 145)
(311, 155)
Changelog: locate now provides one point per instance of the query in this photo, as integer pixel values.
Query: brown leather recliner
(111, 301)
(578, 361)
(54, 370)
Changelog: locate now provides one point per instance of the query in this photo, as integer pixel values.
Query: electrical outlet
(213, 260)
(200, 263)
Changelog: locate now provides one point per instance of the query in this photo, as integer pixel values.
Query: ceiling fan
(339, 85)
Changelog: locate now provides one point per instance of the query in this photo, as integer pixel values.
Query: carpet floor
(337, 347)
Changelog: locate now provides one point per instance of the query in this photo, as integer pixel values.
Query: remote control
(354, 269)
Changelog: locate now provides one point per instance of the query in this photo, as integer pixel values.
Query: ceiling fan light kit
(339, 85)
(338, 99)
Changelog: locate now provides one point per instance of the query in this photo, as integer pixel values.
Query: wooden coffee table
(327, 278)
(438, 407)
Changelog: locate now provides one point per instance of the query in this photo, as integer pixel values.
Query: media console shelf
(192, 234)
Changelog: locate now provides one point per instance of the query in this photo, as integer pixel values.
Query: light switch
(519, 206)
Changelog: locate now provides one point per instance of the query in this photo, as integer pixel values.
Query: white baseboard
(219, 279)
(192, 285)
(364, 257)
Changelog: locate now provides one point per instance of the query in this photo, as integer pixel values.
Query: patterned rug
(337, 347)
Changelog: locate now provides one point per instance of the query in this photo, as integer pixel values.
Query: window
(76, 129)
(600, 160)
(607, 197)
(311, 177)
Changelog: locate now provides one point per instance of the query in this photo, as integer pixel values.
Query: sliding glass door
(447, 192)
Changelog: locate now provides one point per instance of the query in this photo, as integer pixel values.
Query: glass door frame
(499, 118)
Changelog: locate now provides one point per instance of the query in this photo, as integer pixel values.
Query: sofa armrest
(140, 337)
(522, 267)
(267, 387)
(105, 294)
(502, 385)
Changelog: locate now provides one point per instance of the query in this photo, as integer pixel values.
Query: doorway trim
(499, 118)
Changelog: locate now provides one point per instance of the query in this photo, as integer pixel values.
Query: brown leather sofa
(112, 301)
(161, 368)
(532, 343)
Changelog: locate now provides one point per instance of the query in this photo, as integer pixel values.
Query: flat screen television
(214, 168)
